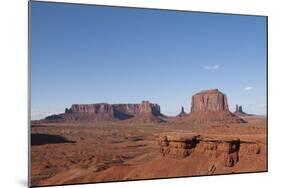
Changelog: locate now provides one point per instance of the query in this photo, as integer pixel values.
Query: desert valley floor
(87, 153)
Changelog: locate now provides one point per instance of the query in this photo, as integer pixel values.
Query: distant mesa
(208, 106)
(148, 113)
(211, 106)
(144, 112)
(239, 111)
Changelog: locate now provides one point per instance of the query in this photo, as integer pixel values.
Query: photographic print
(120, 93)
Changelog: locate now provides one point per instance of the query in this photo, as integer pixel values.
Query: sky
(92, 54)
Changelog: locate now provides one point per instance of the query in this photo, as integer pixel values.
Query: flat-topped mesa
(149, 113)
(90, 108)
(89, 112)
(210, 106)
(106, 112)
(209, 100)
(147, 107)
(132, 109)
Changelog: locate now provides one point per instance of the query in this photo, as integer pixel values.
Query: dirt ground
(87, 153)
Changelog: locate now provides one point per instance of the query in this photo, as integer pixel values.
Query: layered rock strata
(211, 106)
(223, 149)
(106, 112)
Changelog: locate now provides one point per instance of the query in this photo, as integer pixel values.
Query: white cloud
(213, 67)
(248, 88)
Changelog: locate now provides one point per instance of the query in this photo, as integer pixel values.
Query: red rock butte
(209, 100)
(210, 106)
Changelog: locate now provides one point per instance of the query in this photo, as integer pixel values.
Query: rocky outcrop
(130, 109)
(223, 149)
(107, 112)
(182, 112)
(147, 107)
(124, 111)
(209, 100)
(239, 111)
(210, 106)
(91, 108)
(149, 113)
(237, 108)
(177, 146)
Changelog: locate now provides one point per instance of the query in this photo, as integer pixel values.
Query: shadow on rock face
(41, 139)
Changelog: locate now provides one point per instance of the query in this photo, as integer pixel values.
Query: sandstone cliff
(211, 106)
(223, 150)
(144, 112)
(209, 100)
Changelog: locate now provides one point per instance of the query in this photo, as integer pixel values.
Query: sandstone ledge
(225, 149)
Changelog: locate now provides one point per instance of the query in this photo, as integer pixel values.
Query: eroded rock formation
(239, 111)
(223, 149)
(210, 106)
(107, 112)
(209, 100)
(91, 108)
(176, 146)
(131, 109)
(182, 113)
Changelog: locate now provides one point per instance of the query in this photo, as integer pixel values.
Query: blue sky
(92, 54)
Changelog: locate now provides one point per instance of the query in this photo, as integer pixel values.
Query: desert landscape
(115, 142)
